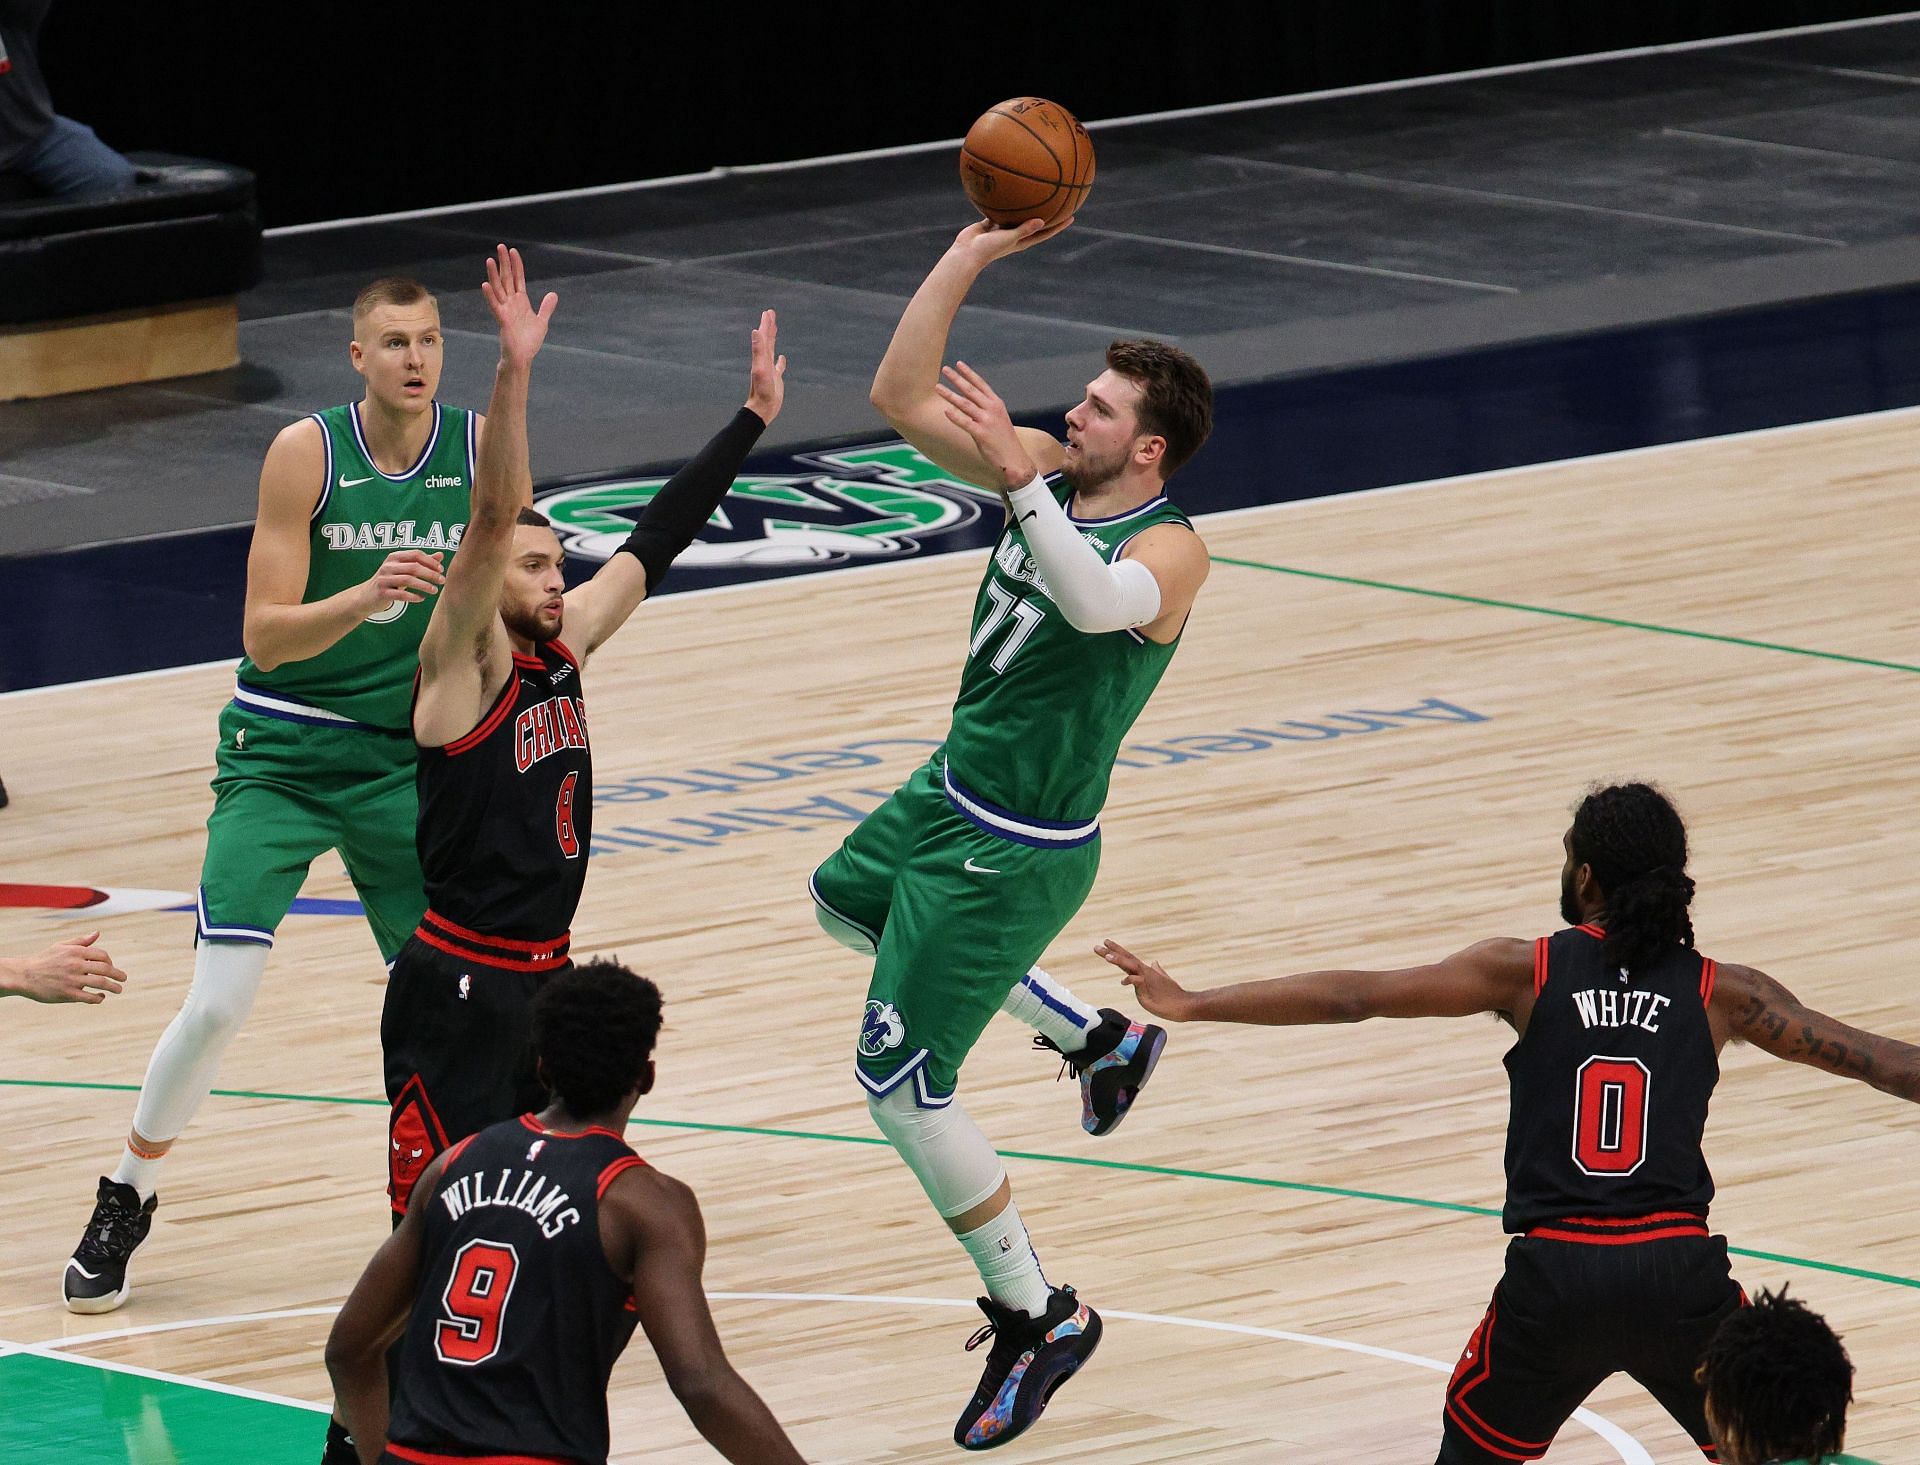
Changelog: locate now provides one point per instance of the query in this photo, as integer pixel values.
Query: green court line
(1129, 1166)
(1566, 615)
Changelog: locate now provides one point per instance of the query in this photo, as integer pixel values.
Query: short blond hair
(390, 290)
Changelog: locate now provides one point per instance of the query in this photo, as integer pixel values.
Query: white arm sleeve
(1092, 594)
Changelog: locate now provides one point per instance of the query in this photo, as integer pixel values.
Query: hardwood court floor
(1333, 772)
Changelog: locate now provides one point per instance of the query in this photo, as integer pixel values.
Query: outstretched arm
(661, 1220)
(905, 386)
(1490, 976)
(462, 658)
(373, 1318)
(73, 970)
(682, 507)
(1756, 1009)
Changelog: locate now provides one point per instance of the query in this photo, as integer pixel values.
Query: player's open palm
(767, 383)
(976, 409)
(522, 328)
(1158, 992)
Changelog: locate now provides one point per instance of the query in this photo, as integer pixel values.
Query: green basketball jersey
(362, 517)
(1042, 707)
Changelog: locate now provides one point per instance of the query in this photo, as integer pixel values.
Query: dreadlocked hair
(1634, 839)
(594, 1028)
(1779, 1381)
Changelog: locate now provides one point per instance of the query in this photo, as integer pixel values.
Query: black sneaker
(96, 1279)
(1031, 1357)
(339, 1449)
(1114, 1066)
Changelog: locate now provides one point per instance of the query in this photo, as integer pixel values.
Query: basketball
(1027, 158)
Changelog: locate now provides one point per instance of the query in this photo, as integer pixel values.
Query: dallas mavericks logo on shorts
(880, 1029)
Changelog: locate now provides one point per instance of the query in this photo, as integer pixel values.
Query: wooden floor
(1400, 839)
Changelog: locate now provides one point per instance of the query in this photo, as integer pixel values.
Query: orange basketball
(1027, 159)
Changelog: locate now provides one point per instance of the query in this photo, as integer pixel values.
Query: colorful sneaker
(96, 1279)
(1114, 1066)
(1031, 1357)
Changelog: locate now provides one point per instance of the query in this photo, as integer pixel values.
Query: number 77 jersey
(1043, 708)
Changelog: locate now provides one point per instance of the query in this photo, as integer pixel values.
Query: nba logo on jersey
(533, 1150)
(466, 986)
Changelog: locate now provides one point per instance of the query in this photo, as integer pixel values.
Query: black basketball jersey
(1610, 1085)
(506, 813)
(519, 1318)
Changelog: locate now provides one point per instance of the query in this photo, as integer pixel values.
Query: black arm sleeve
(687, 500)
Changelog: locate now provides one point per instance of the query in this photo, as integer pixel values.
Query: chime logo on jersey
(862, 503)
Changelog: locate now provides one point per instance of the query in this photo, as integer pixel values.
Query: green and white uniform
(975, 864)
(318, 754)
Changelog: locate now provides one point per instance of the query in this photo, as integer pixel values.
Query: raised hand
(767, 382)
(984, 242)
(1158, 992)
(406, 574)
(977, 410)
(522, 328)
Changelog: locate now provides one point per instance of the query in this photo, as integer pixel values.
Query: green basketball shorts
(291, 782)
(958, 898)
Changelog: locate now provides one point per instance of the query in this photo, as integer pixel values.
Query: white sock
(1008, 1266)
(226, 975)
(1051, 1010)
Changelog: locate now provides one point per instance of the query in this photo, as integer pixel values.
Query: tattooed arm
(1752, 1007)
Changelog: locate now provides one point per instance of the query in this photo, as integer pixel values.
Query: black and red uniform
(1613, 1269)
(519, 1318)
(506, 813)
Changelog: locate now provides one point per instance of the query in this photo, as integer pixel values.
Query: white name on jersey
(392, 534)
(553, 1210)
(1606, 1008)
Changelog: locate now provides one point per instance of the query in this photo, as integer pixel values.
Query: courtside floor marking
(1565, 615)
(1134, 1167)
(1624, 1445)
(1228, 515)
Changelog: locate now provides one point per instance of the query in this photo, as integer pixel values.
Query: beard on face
(1569, 910)
(1090, 473)
(526, 621)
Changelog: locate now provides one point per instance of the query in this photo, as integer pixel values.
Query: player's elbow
(887, 400)
(345, 1355)
(258, 646)
(702, 1389)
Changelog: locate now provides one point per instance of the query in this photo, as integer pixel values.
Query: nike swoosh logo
(90, 1276)
(978, 869)
(346, 482)
(1030, 513)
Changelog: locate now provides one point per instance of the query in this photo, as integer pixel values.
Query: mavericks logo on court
(881, 1029)
(861, 503)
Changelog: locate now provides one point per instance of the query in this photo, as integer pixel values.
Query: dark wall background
(359, 108)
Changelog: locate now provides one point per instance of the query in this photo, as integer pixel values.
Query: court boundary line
(258, 1396)
(1623, 1443)
(1219, 515)
(1135, 119)
(1135, 1167)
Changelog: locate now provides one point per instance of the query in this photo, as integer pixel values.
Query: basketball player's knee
(217, 1006)
(943, 1147)
(854, 938)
